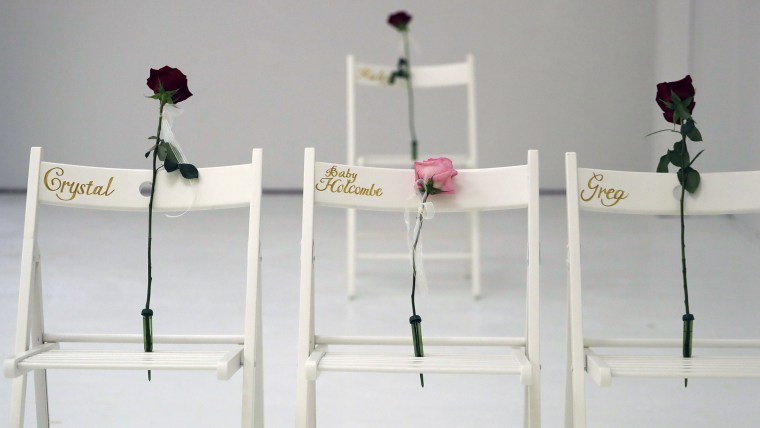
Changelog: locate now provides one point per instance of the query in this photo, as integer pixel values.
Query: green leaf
(689, 129)
(678, 159)
(162, 150)
(695, 135)
(188, 170)
(171, 152)
(153, 138)
(675, 155)
(153, 147)
(174, 153)
(692, 179)
(675, 97)
(170, 165)
(664, 161)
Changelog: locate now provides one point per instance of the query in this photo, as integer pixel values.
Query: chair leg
(575, 393)
(351, 253)
(475, 253)
(306, 403)
(253, 405)
(41, 398)
(18, 399)
(569, 394)
(533, 405)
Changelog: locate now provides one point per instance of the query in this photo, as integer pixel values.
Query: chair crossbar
(182, 339)
(429, 341)
(226, 363)
(507, 364)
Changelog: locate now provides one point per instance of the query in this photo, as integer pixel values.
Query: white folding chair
(423, 77)
(645, 193)
(37, 350)
(517, 188)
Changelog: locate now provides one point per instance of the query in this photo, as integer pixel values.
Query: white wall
(554, 75)
(727, 64)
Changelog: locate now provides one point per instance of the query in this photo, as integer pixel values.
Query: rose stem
(414, 251)
(412, 130)
(683, 241)
(150, 212)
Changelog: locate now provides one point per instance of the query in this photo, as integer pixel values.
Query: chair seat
(603, 368)
(514, 364)
(224, 362)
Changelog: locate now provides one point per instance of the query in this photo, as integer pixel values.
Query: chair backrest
(119, 189)
(638, 193)
(654, 193)
(644, 193)
(423, 77)
(96, 188)
(387, 189)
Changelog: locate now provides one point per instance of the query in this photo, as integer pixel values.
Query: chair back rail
(655, 193)
(386, 189)
(119, 189)
(423, 76)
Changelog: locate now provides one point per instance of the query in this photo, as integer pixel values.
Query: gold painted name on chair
(379, 76)
(342, 181)
(608, 196)
(68, 190)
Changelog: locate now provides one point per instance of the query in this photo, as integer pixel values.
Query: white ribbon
(170, 113)
(427, 210)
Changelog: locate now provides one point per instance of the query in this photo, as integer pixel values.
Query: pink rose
(436, 174)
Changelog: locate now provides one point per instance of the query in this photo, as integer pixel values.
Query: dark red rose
(400, 20)
(682, 88)
(171, 80)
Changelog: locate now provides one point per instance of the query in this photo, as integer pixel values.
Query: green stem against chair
(400, 21)
(431, 177)
(415, 320)
(169, 86)
(676, 99)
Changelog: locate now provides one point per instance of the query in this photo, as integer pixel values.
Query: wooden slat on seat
(222, 361)
(378, 362)
(603, 368)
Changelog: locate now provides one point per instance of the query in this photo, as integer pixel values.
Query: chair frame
(644, 193)
(315, 353)
(37, 350)
(424, 77)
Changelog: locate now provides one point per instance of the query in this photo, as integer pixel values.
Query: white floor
(94, 280)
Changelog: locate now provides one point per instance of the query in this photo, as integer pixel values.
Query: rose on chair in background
(431, 177)
(676, 99)
(400, 21)
(169, 87)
